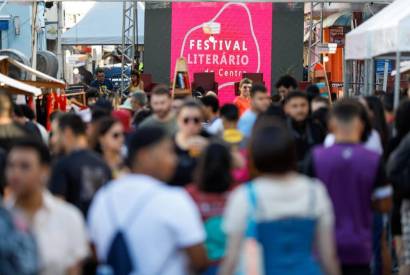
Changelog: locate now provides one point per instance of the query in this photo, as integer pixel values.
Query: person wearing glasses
(243, 101)
(189, 142)
(110, 140)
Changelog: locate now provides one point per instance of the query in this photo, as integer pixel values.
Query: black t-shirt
(186, 164)
(306, 135)
(77, 177)
(32, 129)
(185, 167)
(398, 151)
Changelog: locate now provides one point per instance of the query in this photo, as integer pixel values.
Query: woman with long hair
(110, 143)
(288, 214)
(136, 83)
(378, 119)
(398, 174)
(212, 185)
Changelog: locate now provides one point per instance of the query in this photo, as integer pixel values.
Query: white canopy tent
(102, 25)
(384, 36)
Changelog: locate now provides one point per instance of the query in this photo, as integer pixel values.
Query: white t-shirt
(279, 199)
(60, 233)
(216, 127)
(43, 132)
(168, 222)
(373, 143)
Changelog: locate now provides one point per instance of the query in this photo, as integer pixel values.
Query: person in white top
(373, 142)
(162, 224)
(292, 214)
(214, 124)
(57, 226)
(371, 138)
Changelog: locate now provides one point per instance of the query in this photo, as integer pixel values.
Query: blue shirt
(107, 83)
(246, 123)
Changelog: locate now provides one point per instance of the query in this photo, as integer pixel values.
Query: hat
(126, 105)
(124, 117)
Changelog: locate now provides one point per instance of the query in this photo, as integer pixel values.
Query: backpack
(119, 259)
(215, 238)
(18, 249)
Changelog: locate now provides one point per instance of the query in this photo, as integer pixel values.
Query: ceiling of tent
(385, 33)
(102, 25)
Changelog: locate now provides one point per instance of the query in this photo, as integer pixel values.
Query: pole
(371, 77)
(345, 76)
(59, 47)
(365, 78)
(134, 32)
(385, 75)
(322, 5)
(124, 8)
(33, 39)
(397, 82)
(309, 61)
(329, 94)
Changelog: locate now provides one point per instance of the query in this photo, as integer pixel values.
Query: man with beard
(305, 132)
(163, 116)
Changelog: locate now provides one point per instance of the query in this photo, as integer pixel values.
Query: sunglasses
(195, 120)
(117, 135)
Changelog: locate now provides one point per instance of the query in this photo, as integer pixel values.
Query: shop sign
(337, 35)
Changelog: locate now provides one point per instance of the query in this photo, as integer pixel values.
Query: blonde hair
(245, 81)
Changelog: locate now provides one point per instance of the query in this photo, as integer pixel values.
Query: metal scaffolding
(129, 41)
(315, 36)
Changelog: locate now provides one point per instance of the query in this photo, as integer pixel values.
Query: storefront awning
(18, 87)
(49, 81)
(35, 72)
(338, 19)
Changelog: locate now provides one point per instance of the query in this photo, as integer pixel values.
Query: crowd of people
(289, 183)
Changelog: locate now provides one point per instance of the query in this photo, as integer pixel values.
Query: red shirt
(209, 204)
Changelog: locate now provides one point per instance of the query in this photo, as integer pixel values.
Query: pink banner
(225, 38)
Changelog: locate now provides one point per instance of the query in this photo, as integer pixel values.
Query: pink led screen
(225, 38)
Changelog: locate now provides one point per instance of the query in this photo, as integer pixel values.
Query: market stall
(45, 81)
(384, 36)
(43, 93)
(17, 87)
